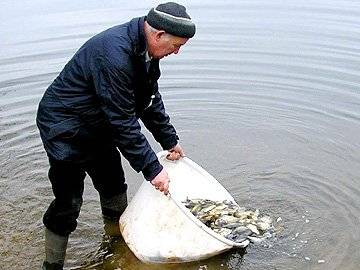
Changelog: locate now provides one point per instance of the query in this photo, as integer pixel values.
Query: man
(91, 111)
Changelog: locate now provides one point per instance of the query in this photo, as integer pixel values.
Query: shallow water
(265, 97)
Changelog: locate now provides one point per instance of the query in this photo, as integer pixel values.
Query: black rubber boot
(55, 251)
(52, 266)
(112, 208)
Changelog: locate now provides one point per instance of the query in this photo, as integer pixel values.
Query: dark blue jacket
(98, 97)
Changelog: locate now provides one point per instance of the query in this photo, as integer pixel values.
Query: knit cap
(172, 18)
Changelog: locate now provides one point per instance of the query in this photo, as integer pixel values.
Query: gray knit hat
(172, 18)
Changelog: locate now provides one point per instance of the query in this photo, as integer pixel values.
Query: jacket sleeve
(158, 123)
(113, 87)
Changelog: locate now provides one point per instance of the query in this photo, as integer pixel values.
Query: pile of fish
(230, 220)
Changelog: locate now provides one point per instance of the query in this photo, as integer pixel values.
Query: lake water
(265, 97)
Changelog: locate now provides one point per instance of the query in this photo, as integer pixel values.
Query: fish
(231, 221)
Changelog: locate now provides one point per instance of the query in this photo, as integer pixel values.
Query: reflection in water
(265, 97)
(113, 253)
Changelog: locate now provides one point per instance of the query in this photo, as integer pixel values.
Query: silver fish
(230, 220)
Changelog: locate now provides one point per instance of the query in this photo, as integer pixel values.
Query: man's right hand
(161, 182)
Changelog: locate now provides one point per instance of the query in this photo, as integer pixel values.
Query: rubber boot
(112, 208)
(55, 251)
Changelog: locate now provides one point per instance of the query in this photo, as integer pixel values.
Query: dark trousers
(67, 180)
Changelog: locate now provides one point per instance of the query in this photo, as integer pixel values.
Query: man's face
(165, 44)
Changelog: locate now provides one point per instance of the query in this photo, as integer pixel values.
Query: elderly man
(91, 111)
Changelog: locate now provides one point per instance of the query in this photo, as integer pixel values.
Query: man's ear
(159, 34)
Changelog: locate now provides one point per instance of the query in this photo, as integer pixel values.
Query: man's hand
(175, 153)
(161, 182)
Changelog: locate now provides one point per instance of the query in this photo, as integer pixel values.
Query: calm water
(266, 98)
